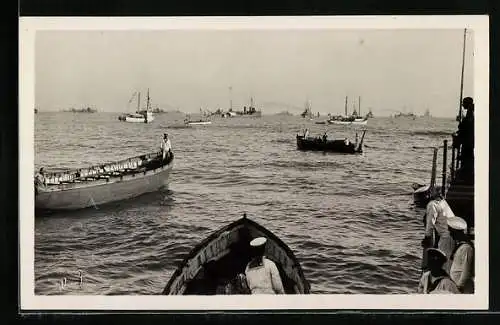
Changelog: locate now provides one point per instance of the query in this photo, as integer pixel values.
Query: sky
(391, 70)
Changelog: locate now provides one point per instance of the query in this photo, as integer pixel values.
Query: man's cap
(436, 254)
(259, 241)
(457, 223)
(435, 192)
(467, 101)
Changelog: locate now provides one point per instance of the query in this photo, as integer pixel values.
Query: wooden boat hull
(218, 259)
(80, 195)
(316, 144)
(136, 118)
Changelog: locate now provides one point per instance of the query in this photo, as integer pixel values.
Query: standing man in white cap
(462, 257)
(436, 280)
(262, 275)
(437, 234)
(166, 146)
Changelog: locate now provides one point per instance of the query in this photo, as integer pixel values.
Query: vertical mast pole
(462, 79)
(345, 105)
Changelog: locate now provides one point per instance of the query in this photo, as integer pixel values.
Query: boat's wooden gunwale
(69, 186)
(231, 228)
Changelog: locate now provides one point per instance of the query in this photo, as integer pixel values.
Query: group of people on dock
(448, 264)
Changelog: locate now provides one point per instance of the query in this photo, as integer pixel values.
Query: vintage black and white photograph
(241, 157)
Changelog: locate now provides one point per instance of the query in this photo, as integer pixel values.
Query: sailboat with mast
(307, 113)
(354, 119)
(141, 115)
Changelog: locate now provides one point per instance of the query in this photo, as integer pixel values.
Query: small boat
(116, 181)
(307, 113)
(199, 122)
(81, 110)
(140, 116)
(348, 121)
(353, 119)
(322, 144)
(410, 115)
(213, 265)
(145, 117)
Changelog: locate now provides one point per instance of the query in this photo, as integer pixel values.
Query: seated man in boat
(166, 146)
(261, 274)
(462, 257)
(436, 280)
(40, 177)
(324, 137)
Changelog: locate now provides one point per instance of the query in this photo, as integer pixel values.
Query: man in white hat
(166, 146)
(261, 274)
(462, 257)
(437, 234)
(436, 280)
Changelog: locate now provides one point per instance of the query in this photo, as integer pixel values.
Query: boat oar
(360, 146)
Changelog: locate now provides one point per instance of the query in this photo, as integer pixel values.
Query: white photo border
(28, 26)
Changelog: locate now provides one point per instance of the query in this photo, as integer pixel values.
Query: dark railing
(446, 177)
(455, 158)
(445, 156)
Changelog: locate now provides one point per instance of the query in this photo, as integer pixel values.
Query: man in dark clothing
(465, 138)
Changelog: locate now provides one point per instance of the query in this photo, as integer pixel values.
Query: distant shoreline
(323, 116)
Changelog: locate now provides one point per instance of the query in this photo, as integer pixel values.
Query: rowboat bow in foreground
(82, 188)
(215, 264)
